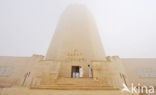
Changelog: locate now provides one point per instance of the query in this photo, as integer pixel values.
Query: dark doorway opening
(75, 72)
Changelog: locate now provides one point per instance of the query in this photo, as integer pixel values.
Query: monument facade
(75, 60)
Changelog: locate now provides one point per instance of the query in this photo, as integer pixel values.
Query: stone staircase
(75, 84)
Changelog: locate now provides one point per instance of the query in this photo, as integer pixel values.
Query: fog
(127, 27)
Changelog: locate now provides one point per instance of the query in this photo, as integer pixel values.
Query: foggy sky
(127, 27)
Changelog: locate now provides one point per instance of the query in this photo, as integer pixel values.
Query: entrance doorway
(76, 72)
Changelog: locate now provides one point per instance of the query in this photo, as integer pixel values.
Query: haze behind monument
(127, 28)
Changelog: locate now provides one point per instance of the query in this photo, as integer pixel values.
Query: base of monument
(28, 91)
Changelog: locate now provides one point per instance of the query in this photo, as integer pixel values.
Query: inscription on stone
(5, 70)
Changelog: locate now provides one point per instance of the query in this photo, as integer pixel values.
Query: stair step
(75, 87)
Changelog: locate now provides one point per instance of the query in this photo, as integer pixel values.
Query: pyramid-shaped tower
(76, 58)
(76, 34)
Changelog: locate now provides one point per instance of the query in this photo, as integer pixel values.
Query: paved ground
(27, 91)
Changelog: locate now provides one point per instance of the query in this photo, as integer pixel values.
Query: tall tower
(76, 32)
(76, 58)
